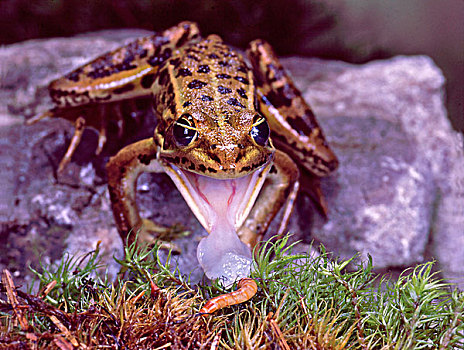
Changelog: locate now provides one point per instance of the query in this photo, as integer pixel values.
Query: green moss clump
(302, 302)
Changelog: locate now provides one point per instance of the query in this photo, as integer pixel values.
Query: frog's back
(204, 75)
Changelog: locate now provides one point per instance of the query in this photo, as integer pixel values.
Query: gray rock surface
(398, 195)
(413, 195)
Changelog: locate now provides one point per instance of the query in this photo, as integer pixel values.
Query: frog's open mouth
(212, 200)
(221, 206)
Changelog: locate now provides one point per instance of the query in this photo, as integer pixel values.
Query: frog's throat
(219, 201)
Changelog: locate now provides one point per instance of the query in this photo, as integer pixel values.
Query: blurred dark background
(355, 31)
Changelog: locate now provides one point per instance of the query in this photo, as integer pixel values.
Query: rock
(382, 197)
(399, 192)
(397, 195)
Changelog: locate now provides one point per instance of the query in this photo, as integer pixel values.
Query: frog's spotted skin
(123, 73)
(206, 79)
(211, 137)
(301, 137)
(217, 91)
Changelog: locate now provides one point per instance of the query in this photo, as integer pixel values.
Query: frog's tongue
(221, 206)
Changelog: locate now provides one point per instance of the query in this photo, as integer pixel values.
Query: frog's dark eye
(260, 130)
(184, 130)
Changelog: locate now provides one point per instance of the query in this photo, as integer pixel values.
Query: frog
(235, 136)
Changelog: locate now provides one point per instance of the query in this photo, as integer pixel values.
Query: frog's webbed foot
(79, 127)
(80, 124)
(39, 117)
(102, 131)
(82, 117)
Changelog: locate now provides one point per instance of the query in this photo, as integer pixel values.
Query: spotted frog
(234, 138)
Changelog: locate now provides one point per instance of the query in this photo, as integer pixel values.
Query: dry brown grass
(301, 303)
(165, 319)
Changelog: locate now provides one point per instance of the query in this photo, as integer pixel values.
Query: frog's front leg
(279, 190)
(123, 170)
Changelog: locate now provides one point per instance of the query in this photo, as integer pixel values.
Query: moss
(302, 302)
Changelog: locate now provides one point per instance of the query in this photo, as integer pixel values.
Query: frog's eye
(260, 130)
(184, 130)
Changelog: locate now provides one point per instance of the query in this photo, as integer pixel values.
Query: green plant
(303, 302)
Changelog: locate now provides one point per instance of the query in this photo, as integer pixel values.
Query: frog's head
(218, 163)
(228, 145)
